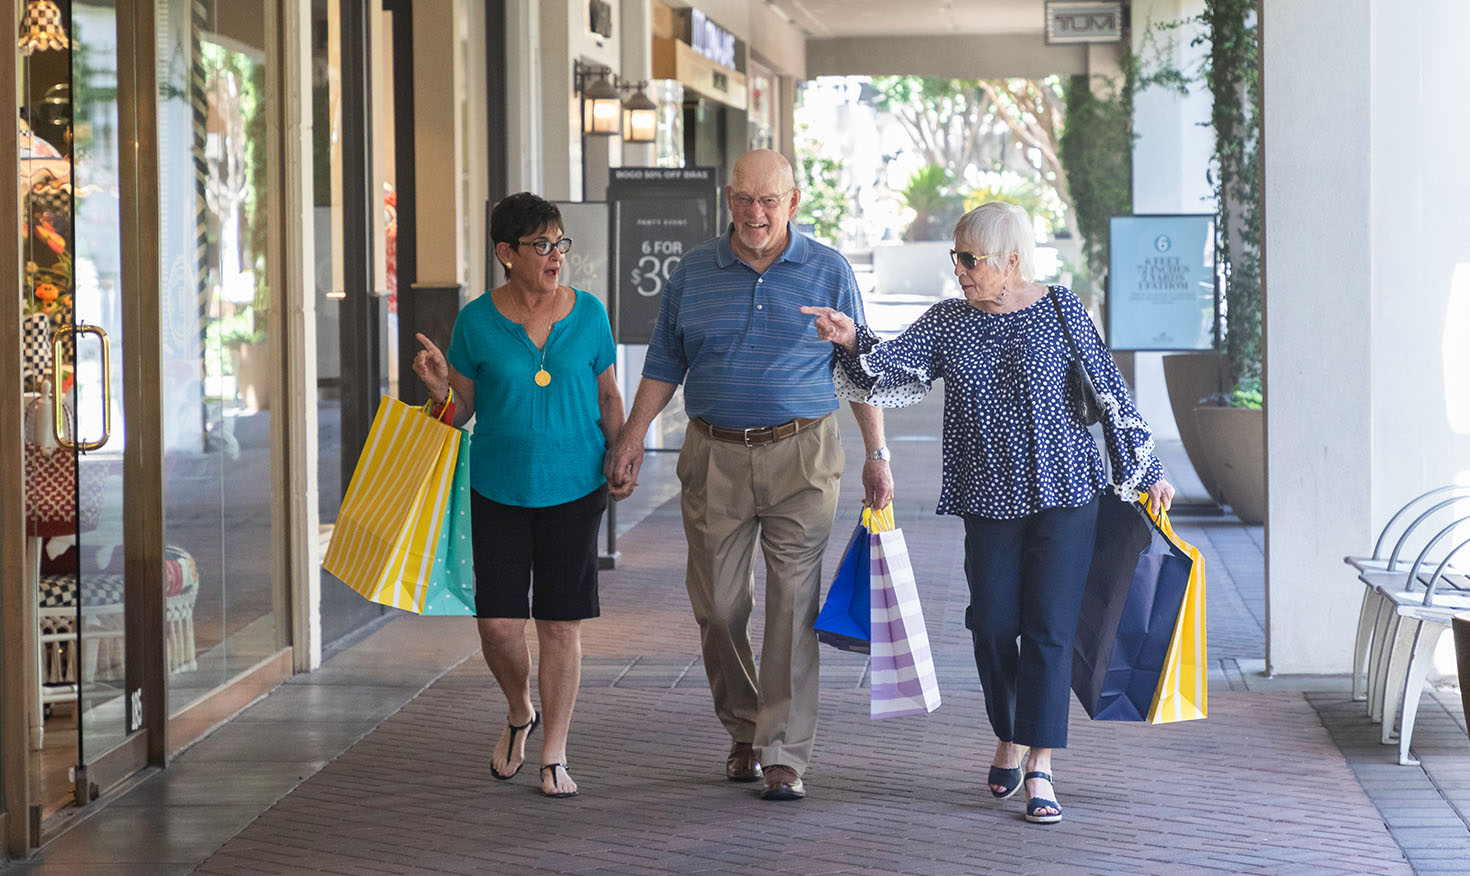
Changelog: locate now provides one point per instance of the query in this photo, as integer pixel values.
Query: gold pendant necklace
(542, 377)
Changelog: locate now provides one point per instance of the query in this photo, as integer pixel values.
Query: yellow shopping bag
(384, 541)
(1183, 691)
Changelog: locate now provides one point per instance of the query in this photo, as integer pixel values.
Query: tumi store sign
(1076, 21)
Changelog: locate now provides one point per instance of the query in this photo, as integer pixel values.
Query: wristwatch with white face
(881, 453)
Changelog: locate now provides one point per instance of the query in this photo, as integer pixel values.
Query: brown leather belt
(756, 435)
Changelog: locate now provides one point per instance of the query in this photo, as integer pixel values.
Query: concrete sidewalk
(379, 762)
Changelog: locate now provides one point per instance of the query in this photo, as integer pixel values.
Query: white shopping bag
(903, 681)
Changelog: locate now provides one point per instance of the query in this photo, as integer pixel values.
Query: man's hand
(621, 464)
(877, 484)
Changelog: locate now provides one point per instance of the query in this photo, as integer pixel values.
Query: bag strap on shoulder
(1051, 292)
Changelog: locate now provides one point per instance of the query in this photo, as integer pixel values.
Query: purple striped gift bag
(903, 681)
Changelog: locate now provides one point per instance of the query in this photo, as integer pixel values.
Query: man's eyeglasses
(544, 247)
(968, 259)
(768, 202)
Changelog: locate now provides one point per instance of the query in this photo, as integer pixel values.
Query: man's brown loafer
(741, 765)
(782, 783)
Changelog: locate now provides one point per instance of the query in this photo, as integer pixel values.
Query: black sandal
(528, 728)
(1036, 804)
(553, 767)
(1010, 779)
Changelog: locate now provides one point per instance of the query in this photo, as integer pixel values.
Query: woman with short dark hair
(535, 359)
(1020, 468)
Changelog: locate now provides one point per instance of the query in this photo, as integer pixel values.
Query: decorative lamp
(42, 28)
(640, 117)
(600, 102)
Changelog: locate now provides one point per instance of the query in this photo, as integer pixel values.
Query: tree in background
(1097, 156)
(825, 199)
(996, 136)
(944, 118)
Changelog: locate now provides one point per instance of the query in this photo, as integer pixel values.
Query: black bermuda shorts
(537, 562)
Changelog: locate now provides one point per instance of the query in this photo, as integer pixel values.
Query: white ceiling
(867, 18)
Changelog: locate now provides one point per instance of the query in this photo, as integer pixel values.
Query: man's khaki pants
(785, 494)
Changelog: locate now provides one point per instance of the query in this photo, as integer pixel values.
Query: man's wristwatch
(880, 454)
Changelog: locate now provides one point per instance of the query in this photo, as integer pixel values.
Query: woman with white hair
(1020, 468)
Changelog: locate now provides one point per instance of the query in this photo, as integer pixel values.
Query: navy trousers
(1026, 580)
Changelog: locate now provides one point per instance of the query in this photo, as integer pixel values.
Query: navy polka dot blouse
(1012, 446)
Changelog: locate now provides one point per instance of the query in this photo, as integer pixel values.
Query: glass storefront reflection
(220, 615)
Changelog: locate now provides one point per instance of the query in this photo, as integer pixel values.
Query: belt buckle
(746, 433)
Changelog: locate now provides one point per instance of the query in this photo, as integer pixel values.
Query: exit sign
(1075, 21)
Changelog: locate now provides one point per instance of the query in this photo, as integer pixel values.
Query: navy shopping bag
(845, 619)
(1135, 591)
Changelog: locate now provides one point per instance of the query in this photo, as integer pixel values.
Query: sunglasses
(968, 259)
(544, 247)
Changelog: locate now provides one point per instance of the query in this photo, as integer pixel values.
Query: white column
(637, 65)
(1318, 67)
(523, 89)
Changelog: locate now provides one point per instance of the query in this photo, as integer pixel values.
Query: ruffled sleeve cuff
(856, 377)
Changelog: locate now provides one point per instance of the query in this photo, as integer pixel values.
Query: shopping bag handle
(1158, 515)
(878, 521)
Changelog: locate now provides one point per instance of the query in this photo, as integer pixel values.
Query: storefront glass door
(106, 713)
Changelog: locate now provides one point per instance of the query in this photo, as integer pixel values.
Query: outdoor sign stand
(1161, 294)
(655, 215)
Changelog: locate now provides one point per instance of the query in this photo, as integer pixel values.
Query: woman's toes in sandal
(1037, 807)
(557, 785)
(1000, 777)
(1008, 779)
(510, 749)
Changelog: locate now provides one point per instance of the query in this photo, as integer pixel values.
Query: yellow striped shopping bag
(391, 518)
(1183, 691)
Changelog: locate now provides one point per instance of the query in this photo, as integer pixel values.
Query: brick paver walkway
(1258, 787)
(365, 766)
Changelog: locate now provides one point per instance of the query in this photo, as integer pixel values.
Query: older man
(761, 459)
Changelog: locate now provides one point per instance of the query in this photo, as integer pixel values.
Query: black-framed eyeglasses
(968, 259)
(769, 202)
(544, 247)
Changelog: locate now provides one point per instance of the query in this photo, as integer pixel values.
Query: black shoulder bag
(1080, 392)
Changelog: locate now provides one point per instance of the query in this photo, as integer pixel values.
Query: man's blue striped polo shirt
(738, 341)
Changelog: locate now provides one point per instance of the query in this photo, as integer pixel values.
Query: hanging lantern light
(43, 28)
(600, 105)
(640, 117)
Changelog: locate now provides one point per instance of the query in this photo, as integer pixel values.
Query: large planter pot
(252, 376)
(1190, 377)
(1234, 441)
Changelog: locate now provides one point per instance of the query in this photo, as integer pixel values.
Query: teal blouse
(534, 446)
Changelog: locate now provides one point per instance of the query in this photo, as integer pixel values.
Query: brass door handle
(58, 414)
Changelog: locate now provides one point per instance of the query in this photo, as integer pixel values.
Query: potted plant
(937, 207)
(1231, 425)
(249, 358)
(1234, 439)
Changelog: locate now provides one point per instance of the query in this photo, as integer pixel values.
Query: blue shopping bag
(846, 617)
(451, 589)
(1135, 592)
